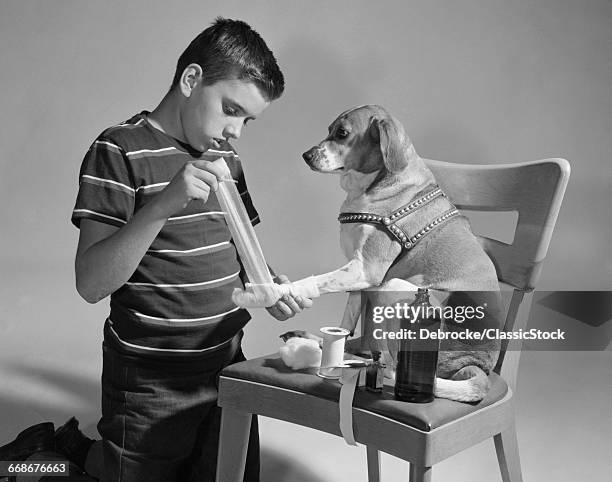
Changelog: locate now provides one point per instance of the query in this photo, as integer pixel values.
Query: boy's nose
(232, 131)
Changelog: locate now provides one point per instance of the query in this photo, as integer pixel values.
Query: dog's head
(364, 139)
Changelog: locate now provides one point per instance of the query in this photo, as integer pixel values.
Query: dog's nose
(308, 155)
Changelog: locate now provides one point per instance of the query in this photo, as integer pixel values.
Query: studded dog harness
(390, 223)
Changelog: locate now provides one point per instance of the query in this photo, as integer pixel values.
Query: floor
(50, 368)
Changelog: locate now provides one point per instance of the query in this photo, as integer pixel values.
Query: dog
(399, 232)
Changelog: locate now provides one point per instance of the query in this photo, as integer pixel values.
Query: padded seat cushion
(270, 370)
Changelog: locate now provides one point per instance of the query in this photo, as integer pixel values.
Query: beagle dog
(400, 232)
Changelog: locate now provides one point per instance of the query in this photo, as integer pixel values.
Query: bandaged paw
(265, 295)
(257, 295)
(306, 287)
(299, 353)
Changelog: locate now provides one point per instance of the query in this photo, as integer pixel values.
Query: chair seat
(270, 370)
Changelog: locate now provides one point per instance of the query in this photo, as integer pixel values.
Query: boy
(153, 237)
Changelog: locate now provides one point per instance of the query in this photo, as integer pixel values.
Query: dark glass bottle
(375, 374)
(417, 359)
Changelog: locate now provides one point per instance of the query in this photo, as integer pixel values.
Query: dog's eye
(341, 133)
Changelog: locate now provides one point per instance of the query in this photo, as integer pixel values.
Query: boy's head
(232, 50)
(226, 77)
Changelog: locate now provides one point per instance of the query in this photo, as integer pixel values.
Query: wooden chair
(422, 434)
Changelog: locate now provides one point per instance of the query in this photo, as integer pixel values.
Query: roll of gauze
(241, 229)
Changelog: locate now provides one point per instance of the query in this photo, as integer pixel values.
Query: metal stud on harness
(389, 223)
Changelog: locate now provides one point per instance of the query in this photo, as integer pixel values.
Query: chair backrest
(534, 190)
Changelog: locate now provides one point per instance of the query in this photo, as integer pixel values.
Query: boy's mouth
(216, 142)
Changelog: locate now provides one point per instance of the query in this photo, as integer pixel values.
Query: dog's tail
(470, 384)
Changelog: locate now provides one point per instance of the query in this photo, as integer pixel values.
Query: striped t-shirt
(179, 298)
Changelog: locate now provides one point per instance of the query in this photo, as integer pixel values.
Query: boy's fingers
(277, 313)
(283, 308)
(303, 302)
(207, 178)
(216, 170)
(291, 303)
(203, 188)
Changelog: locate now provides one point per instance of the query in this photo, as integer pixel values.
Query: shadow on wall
(45, 394)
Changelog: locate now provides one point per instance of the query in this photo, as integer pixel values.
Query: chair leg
(373, 464)
(506, 446)
(233, 444)
(419, 473)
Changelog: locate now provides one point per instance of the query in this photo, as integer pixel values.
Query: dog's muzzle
(311, 155)
(318, 160)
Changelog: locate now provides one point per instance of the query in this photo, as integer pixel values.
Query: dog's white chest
(353, 237)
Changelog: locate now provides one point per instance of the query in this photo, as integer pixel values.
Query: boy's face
(212, 113)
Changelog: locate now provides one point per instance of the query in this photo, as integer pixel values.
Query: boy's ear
(191, 75)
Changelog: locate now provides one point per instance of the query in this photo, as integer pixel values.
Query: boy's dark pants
(160, 420)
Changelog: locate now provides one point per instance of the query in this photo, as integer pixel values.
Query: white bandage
(257, 295)
(349, 381)
(265, 295)
(306, 287)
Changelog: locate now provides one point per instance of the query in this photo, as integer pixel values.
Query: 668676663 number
(39, 467)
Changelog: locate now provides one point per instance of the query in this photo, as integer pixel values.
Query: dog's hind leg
(470, 384)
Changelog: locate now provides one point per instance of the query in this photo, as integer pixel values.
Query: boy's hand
(194, 180)
(288, 305)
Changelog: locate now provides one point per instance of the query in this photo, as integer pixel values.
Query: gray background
(475, 81)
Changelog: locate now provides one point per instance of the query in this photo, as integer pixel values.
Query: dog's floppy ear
(392, 143)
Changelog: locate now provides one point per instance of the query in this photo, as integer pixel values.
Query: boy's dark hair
(231, 49)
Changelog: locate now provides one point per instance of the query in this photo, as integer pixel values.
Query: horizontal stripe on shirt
(107, 144)
(196, 216)
(156, 186)
(186, 286)
(191, 252)
(187, 320)
(95, 214)
(157, 332)
(230, 343)
(149, 153)
(125, 126)
(107, 183)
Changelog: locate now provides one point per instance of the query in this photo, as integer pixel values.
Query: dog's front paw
(306, 287)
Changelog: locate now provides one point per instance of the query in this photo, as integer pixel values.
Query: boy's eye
(229, 110)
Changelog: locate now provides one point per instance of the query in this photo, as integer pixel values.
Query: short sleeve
(106, 188)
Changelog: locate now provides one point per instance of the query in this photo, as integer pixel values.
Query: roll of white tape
(333, 351)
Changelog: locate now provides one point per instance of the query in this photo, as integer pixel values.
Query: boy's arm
(107, 256)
